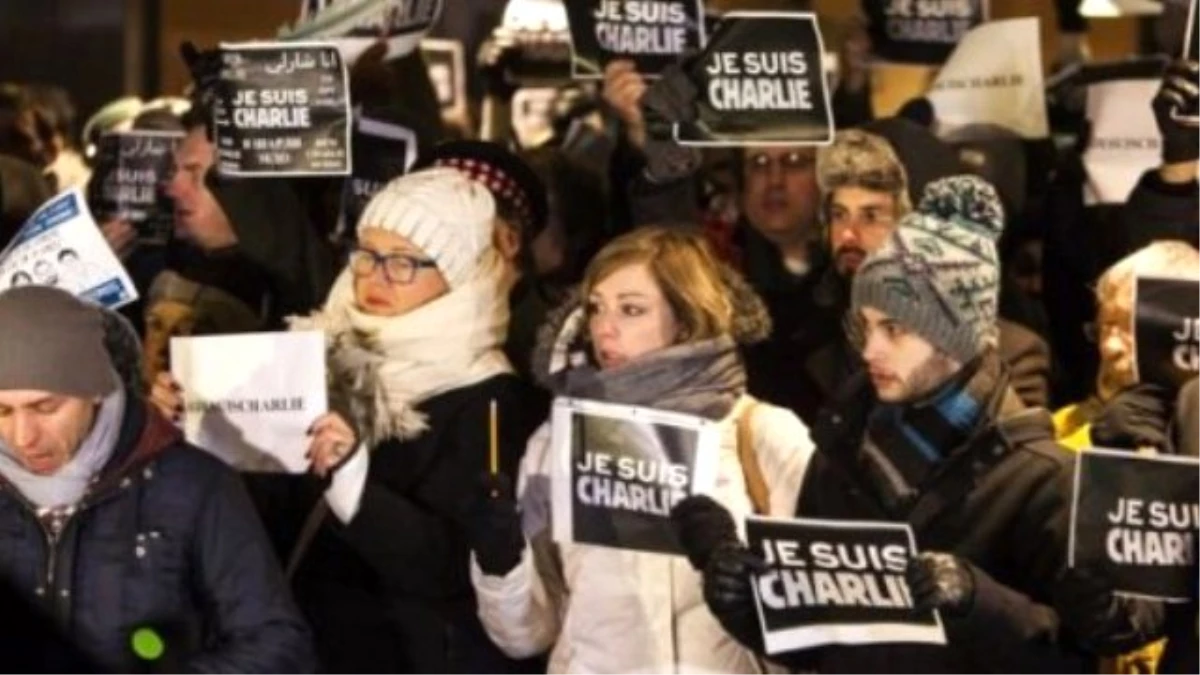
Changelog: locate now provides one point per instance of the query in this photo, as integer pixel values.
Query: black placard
(836, 582)
(1166, 330)
(760, 80)
(282, 110)
(130, 177)
(920, 31)
(382, 151)
(1134, 522)
(651, 33)
(626, 476)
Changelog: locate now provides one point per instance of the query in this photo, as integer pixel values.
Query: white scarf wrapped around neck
(384, 366)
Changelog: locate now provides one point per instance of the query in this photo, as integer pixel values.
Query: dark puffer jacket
(166, 539)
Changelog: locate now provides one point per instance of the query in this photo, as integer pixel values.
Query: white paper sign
(1125, 140)
(250, 398)
(994, 76)
(61, 245)
(619, 470)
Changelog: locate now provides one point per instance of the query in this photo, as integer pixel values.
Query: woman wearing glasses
(414, 326)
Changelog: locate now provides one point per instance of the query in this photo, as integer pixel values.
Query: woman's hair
(1169, 259)
(684, 268)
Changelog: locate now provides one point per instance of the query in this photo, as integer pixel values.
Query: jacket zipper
(53, 528)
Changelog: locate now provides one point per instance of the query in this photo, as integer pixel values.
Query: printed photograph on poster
(651, 34)
(1134, 521)
(836, 582)
(62, 246)
(1124, 141)
(381, 151)
(619, 470)
(1166, 330)
(283, 110)
(920, 31)
(354, 25)
(447, 72)
(250, 398)
(761, 81)
(130, 176)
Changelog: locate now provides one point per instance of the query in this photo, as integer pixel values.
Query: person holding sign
(657, 327)
(137, 530)
(933, 435)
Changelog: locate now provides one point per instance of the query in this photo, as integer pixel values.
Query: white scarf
(65, 487)
(383, 367)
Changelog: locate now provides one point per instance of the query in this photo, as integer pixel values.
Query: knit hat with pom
(446, 214)
(938, 273)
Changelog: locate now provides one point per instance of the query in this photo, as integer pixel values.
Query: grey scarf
(67, 486)
(703, 378)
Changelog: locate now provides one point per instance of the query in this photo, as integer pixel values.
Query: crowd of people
(879, 329)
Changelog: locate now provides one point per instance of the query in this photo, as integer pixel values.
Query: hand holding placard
(494, 525)
(941, 581)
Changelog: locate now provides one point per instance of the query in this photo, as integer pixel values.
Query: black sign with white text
(652, 33)
(283, 110)
(836, 582)
(1134, 519)
(131, 173)
(1167, 330)
(760, 80)
(920, 31)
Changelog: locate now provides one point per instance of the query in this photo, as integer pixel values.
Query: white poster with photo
(994, 76)
(1125, 141)
(61, 246)
(354, 25)
(619, 470)
(251, 398)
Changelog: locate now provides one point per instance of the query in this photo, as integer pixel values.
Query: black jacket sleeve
(257, 627)
(430, 516)
(1160, 210)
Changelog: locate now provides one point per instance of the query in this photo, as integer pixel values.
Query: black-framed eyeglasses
(398, 268)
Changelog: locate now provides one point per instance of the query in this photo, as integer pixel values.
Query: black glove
(702, 526)
(727, 577)
(671, 99)
(1178, 95)
(1087, 607)
(941, 581)
(205, 67)
(1137, 417)
(494, 525)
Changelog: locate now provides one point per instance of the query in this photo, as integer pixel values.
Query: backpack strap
(756, 486)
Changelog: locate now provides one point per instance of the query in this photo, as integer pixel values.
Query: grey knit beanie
(938, 272)
(53, 342)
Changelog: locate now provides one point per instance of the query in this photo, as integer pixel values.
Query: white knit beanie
(440, 210)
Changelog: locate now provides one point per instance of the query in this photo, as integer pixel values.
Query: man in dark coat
(135, 544)
(933, 435)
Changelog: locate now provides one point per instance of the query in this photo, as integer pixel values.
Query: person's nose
(604, 329)
(25, 430)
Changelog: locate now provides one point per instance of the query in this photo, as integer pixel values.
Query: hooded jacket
(166, 539)
(609, 610)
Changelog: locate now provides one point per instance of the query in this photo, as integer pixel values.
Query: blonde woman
(657, 325)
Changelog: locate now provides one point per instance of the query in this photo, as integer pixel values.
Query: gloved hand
(494, 526)
(1089, 608)
(1178, 94)
(727, 578)
(669, 100)
(205, 67)
(703, 526)
(1138, 417)
(941, 581)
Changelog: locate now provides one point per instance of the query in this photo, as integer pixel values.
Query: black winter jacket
(390, 591)
(167, 539)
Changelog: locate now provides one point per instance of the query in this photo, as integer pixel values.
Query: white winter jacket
(607, 610)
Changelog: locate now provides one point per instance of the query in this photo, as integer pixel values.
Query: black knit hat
(518, 191)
